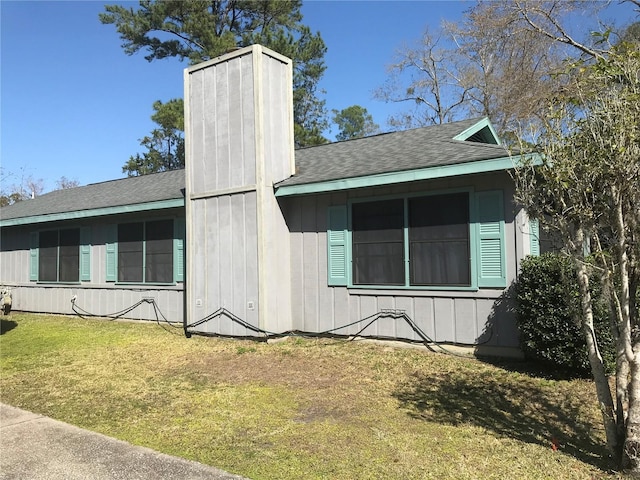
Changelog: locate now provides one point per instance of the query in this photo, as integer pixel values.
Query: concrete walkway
(34, 447)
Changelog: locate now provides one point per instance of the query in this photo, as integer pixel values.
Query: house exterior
(108, 245)
(406, 235)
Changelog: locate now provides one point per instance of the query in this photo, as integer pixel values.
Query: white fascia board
(255, 49)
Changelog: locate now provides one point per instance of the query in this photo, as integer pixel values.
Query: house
(109, 245)
(405, 235)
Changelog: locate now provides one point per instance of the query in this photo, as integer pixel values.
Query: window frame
(83, 255)
(144, 240)
(177, 252)
(381, 239)
(473, 241)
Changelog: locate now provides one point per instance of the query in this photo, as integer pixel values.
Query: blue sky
(74, 105)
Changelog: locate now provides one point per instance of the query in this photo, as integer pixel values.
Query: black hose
(396, 314)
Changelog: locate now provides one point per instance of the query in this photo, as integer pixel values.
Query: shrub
(547, 302)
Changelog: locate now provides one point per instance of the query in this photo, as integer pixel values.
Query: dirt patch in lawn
(324, 389)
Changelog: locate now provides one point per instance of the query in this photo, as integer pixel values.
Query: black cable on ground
(113, 316)
(82, 313)
(226, 313)
(428, 342)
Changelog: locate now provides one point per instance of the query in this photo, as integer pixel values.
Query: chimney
(239, 142)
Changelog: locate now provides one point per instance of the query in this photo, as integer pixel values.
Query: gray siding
(14, 260)
(96, 296)
(461, 317)
(99, 301)
(225, 254)
(222, 127)
(239, 142)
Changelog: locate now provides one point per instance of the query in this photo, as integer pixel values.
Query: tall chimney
(239, 142)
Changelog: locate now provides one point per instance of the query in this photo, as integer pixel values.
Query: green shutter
(492, 271)
(85, 254)
(33, 256)
(337, 245)
(534, 237)
(111, 248)
(178, 249)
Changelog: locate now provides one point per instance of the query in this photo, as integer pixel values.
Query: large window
(452, 240)
(436, 230)
(145, 252)
(59, 256)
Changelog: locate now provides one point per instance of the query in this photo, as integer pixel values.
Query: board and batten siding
(225, 247)
(94, 293)
(461, 317)
(239, 142)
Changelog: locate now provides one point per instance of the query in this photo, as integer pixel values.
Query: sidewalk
(37, 448)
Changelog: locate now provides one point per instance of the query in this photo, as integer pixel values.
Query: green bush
(547, 301)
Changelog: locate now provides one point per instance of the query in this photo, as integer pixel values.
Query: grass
(302, 408)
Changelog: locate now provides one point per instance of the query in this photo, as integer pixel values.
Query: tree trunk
(622, 399)
(603, 392)
(631, 451)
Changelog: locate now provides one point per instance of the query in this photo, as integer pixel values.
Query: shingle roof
(114, 193)
(384, 153)
(390, 152)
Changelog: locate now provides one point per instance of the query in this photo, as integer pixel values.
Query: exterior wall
(96, 296)
(460, 317)
(239, 142)
(224, 253)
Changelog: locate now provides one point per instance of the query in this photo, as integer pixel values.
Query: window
(60, 255)
(145, 252)
(378, 243)
(130, 252)
(437, 241)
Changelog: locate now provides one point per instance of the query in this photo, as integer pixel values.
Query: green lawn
(302, 408)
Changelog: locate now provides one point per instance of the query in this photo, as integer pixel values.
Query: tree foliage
(424, 76)
(631, 33)
(501, 61)
(165, 144)
(354, 122)
(587, 192)
(199, 30)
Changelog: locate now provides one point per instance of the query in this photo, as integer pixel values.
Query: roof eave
(390, 178)
(95, 212)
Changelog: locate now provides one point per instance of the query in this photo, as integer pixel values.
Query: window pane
(48, 256)
(378, 243)
(159, 252)
(439, 263)
(130, 252)
(439, 240)
(378, 221)
(378, 264)
(69, 255)
(439, 217)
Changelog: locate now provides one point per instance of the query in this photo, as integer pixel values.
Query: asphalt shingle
(114, 193)
(389, 152)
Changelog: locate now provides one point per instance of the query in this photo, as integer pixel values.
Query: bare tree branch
(563, 36)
